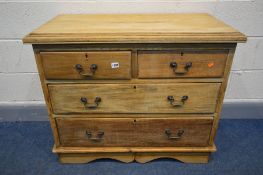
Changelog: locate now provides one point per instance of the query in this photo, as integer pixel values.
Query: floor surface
(25, 148)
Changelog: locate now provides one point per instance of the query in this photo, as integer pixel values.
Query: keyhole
(86, 56)
(182, 53)
(134, 121)
(134, 87)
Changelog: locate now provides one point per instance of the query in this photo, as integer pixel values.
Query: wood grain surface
(133, 131)
(183, 157)
(85, 158)
(116, 149)
(61, 65)
(130, 157)
(134, 119)
(205, 64)
(134, 98)
(135, 28)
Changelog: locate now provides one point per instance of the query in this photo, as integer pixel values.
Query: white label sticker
(115, 65)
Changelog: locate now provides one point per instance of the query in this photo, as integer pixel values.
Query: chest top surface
(134, 28)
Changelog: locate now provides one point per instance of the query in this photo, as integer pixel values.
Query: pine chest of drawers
(134, 87)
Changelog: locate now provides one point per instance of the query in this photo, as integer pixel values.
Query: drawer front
(173, 132)
(134, 98)
(87, 65)
(176, 64)
(85, 132)
(95, 132)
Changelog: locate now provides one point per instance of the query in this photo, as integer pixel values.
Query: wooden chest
(134, 87)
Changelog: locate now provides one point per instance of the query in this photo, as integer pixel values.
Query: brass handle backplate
(187, 66)
(174, 103)
(172, 136)
(99, 136)
(81, 71)
(84, 101)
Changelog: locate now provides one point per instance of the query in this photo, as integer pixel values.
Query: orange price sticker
(210, 65)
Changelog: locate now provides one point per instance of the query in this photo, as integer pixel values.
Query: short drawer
(134, 98)
(145, 132)
(87, 65)
(178, 64)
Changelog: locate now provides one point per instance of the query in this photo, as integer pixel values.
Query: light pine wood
(222, 94)
(156, 64)
(139, 81)
(135, 28)
(73, 132)
(134, 112)
(131, 115)
(180, 149)
(130, 157)
(61, 65)
(196, 132)
(141, 132)
(47, 98)
(77, 47)
(183, 157)
(135, 98)
(85, 158)
(134, 63)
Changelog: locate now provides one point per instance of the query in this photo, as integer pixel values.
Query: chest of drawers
(134, 87)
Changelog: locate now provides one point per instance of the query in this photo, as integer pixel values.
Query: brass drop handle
(99, 136)
(80, 70)
(187, 66)
(174, 103)
(176, 136)
(84, 101)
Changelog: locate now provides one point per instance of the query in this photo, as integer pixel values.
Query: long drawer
(87, 65)
(93, 132)
(134, 98)
(180, 64)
